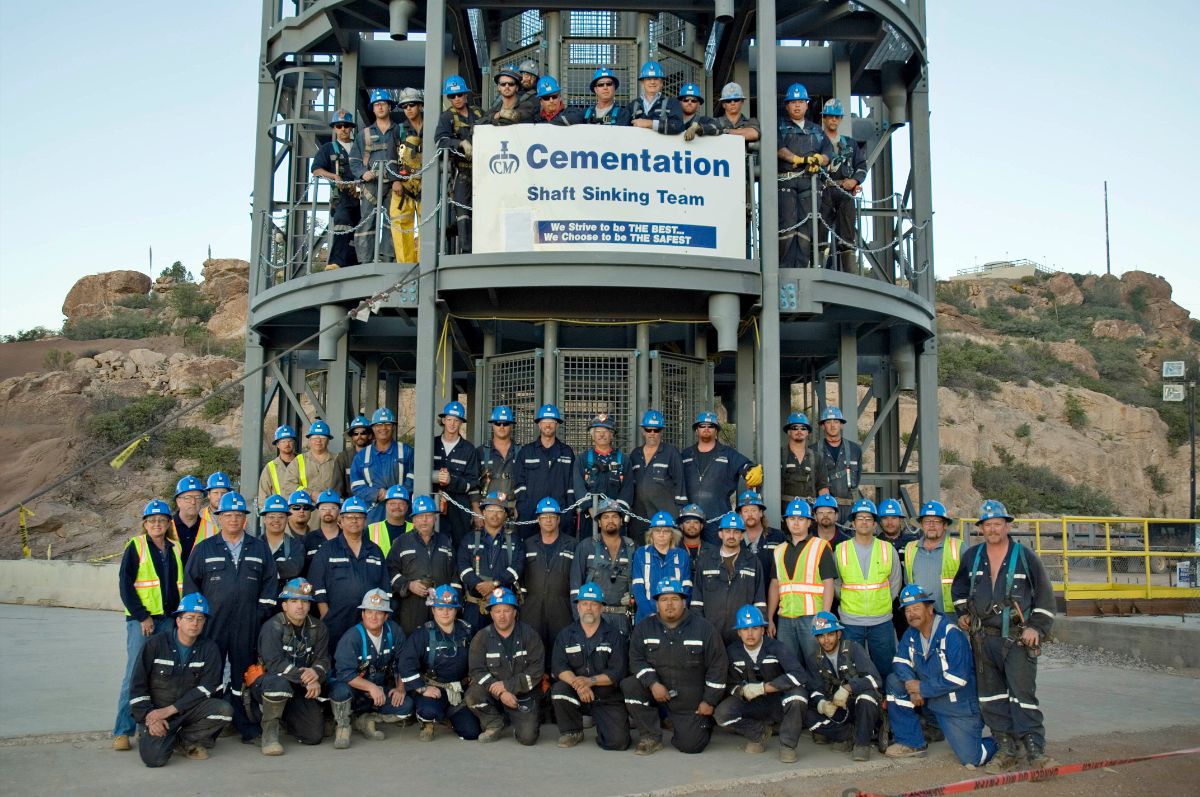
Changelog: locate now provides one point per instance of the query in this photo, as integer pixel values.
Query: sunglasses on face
(605, 84)
(550, 98)
(456, 96)
(689, 99)
(506, 84)
(342, 127)
(501, 423)
(411, 105)
(652, 431)
(708, 426)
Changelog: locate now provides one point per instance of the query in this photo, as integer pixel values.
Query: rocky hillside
(1050, 398)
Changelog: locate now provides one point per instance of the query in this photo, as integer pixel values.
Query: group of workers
(821, 170)
(499, 599)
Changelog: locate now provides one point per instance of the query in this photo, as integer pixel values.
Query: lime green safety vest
(801, 592)
(146, 582)
(379, 534)
(868, 596)
(949, 566)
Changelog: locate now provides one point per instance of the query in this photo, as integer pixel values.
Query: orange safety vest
(801, 593)
(208, 526)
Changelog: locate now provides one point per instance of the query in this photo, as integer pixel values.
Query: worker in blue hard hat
(375, 146)
(869, 570)
(434, 665)
(491, 557)
(235, 573)
(395, 523)
(368, 685)
(172, 686)
(546, 469)
(328, 508)
(729, 577)
(934, 675)
(605, 110)
(712, 471)
(507, 665)
(602, 471)
(273, 478)
(549, 555)
(691, 522)
(315, 469)
(417, 561)
(606, 559)
(802, 576)
(498, 459)
(455, 472)
(651, 109)
(691, 101)
(287, 550)
(844, 691)
(843, 459)
(301, 511)
(1005, 600)
(587, 664)
(186, 520)
(346, 567)
(359, 433)
(760, 538)
(151, 583)
(660, 558)
(731, 120)
(655, 472)
(843, 181)
(215, 487)
(826, 512)
(803, 151)
(508, 109)
(932, 561)
(766, 686)
(803, 468)
(552, 109)
(332, 162)
(377, 467)
(404, 209)
(894, 530)
(455, 128)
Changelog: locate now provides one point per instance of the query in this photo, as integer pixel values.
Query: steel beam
(848, 378)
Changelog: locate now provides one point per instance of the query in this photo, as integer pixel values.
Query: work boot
(121, 742)
(195, 752)
(898, 750)
(788, 755)
(570, 739)
(365, 724)
(341, 715)
(491, 734)
(820, 738)
(756, 746)
(1006, 755)
(648, 746)
(426, 732)
(862, 752)
(1035, 751)
(272, 711)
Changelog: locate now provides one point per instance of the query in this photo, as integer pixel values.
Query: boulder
(950, 319)
(1112, 328)
(225, 280)
(200, 373)
(228, 324)
(1071, 352)
(147, 360)
(1154, 286)
(85, 364)
(96, 295)
(1064, 289)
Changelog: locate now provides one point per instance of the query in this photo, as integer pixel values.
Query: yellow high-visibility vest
(300, 470)
(870, 595)
(949, 566)
(146, 583)
(801, 592)
(378, 534)
(208, 526)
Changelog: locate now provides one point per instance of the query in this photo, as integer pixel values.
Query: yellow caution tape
(105, 558)
(24, 513)
(120, 459)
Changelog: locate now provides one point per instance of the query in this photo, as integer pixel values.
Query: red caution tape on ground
(964, 786)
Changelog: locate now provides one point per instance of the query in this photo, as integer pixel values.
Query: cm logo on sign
(504, 162)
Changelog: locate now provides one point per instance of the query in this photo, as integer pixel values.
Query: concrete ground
(62, 668)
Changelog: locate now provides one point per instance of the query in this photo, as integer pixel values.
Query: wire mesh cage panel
(667, 29)
(581, 57)
(515, 380)
(679, 388)
(679, 69)
(521, 30)
(592, 381)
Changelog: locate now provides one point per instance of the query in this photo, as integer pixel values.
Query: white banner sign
(611, 189)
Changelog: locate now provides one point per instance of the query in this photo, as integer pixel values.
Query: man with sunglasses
(605, 111)
(711, 471)
(374, 148)
(602, 470)
(509, 110)
(360, 434)
(497, 460)
(695, 123)
(405, 207)
(803, 467)
(732, 121)
(332, 162)
(802, 151)
(455, 127)
(553, 111)
(656, 471)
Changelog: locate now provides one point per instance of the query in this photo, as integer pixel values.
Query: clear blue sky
(135, 129)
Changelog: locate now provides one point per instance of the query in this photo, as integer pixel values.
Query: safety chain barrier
(600, 497)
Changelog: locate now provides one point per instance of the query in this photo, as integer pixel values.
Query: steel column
(744, 395)
(643, 372)
(848, 378)
(550, 362)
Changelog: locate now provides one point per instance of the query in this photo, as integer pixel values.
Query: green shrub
(1076, 414)
(58, 359)
(190, 302)
(25, 335)
(1025, 488)
(950, 457)
(121, 324)
(1105, 293)
(125, 418)
(1137, 299)
(220, 405)
(177, 272)
(1019, 302)
(955, 294)
(1023, 432)
(1158, 480)
(138, 302)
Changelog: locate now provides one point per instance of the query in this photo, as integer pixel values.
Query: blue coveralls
(947, 675)
(357, 655)
(373, 469)
(546, 473)
(241, 597)
(601, 474)
(650, 567)
(843, 467)
(463, 464)
(712, 486)
(340, 579)
(289, 557)
(657, 484)
(499, 558)
(429, 655)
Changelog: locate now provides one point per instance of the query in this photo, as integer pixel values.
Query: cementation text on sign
(545, 188)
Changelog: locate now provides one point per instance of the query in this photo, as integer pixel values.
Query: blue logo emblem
(504, 162)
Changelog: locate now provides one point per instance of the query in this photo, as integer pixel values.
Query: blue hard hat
(444, 596)
(359, 422)
(662, 520)
(798, 507)
(690, 90)
(283, 432)
(195, 603)
(397, 491)
(732, 521)
(156, 507)
(188, 484)
(329, 497)
(547, 85)
(455, 84)
(353, 506)
(749, 617)
(652, 419)
(493, 499)
(668, 586)
(319, 428)
(797, 419)
(423, 505)
(826, 500)
(914, 594)
(796, 91)
(300, 498)
(604, 72)
(548, 506)
(501, 596)
(864, 505)
(548, 412)
(590, 591)
(750, 498)
(832, 107)
(691, 512)
(232, 502)
(341, 118)
(381, 95)
(651, 69)
(274, 503)
(832, 414)
(825, 623)
(934, 509)
(509, 71)
(383, 415)
(890, 507)
(454, 409)
(218, 481)
(502, 414)
(992, 509)
(298, 589)
(707, 416)
(602, 420)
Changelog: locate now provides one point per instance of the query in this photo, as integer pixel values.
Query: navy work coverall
(710, 479)
(546, 473)
(547, 586)
(340, 579)
(726, 584)
(462, 462)
(855, 671)
(614, 574)
(284, 650)
(332, 156)
(603, 653)
(775, 665)
(290, 557)
(657, 483)
(601, 474)
(518, 661)
(796, 200)
(431, 657)
(358, 655)
(454, 128)
(373, 470)
(413, 559)
(843, 468)
(486, 557)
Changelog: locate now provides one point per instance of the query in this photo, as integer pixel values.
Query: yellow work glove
(797, 160)
(754, 476)
(465, 146)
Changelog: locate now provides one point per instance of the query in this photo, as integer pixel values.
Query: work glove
(454, 693)
(413, 143)
(841, 696)
(753, 691)
(465, 146)
(754, 476)
(509, 114)
(692, 131)
(826, 708)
